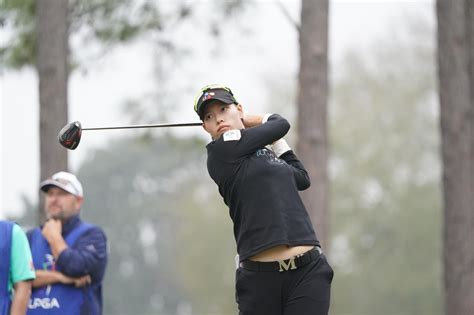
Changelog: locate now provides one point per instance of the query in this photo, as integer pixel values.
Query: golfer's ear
(241, 110)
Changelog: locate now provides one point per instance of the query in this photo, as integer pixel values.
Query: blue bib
(5, 252)
(56, 299)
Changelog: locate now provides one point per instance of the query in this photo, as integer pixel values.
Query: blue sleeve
(87, 256)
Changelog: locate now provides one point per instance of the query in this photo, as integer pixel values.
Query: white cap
(64, 180)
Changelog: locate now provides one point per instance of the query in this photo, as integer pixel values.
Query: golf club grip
(146, 126)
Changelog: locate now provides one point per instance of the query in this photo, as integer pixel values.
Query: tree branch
(287, 15)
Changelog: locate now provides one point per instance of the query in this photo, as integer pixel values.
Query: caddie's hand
(82, 281)
(52, 229)
(62, 278)
(77, 282)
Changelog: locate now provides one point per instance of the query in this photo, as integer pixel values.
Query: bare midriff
(280, 252)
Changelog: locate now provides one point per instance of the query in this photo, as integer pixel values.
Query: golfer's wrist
(280, 147)
(265, 117)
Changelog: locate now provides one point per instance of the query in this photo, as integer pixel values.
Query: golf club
(70, 135)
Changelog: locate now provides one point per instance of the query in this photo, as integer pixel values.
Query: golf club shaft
(145, 126)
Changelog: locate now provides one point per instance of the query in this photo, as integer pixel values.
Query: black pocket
(245, 289)
(330, 271)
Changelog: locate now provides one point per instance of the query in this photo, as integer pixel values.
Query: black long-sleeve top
(261, 189)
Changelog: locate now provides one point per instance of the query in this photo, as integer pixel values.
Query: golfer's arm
(46, 277)
(300, 174)
(258, 136)
(252, 120)
(21, 298)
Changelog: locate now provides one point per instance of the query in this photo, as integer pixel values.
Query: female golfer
(281, 266)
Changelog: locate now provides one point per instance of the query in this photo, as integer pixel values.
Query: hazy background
(96, 95)
(171, 238)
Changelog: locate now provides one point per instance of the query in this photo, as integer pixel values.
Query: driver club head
(70, 135)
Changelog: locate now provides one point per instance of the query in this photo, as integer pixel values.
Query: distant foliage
(106, 21)
(18, 15)
(103, 22)
(171, 241)
(385, 174)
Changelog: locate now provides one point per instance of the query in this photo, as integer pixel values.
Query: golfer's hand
(252, 120)
(52, 230)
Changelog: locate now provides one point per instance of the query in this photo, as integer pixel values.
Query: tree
(385, 170)
(106, 22)
(312, 146)
(45, 45)
(456, 94)
(52, 67)
(40, 37)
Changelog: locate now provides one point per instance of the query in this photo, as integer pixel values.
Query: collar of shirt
(70, 224)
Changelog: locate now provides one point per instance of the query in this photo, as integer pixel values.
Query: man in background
(70, 256)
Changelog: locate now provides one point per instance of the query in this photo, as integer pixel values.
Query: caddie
(70, 256)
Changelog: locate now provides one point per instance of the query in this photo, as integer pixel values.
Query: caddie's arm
(47, 277)
(88, 255)
(52, 233)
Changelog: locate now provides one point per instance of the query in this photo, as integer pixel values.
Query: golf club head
(70, 135)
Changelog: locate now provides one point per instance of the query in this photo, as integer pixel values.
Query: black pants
(304, 291)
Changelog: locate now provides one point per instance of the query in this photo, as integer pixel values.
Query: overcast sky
(242, 63)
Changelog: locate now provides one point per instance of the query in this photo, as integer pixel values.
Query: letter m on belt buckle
(287, 266)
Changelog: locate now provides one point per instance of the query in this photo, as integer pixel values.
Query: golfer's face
(219, 118)
(60, 204)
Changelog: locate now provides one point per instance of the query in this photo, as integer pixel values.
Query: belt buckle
(291, 265)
